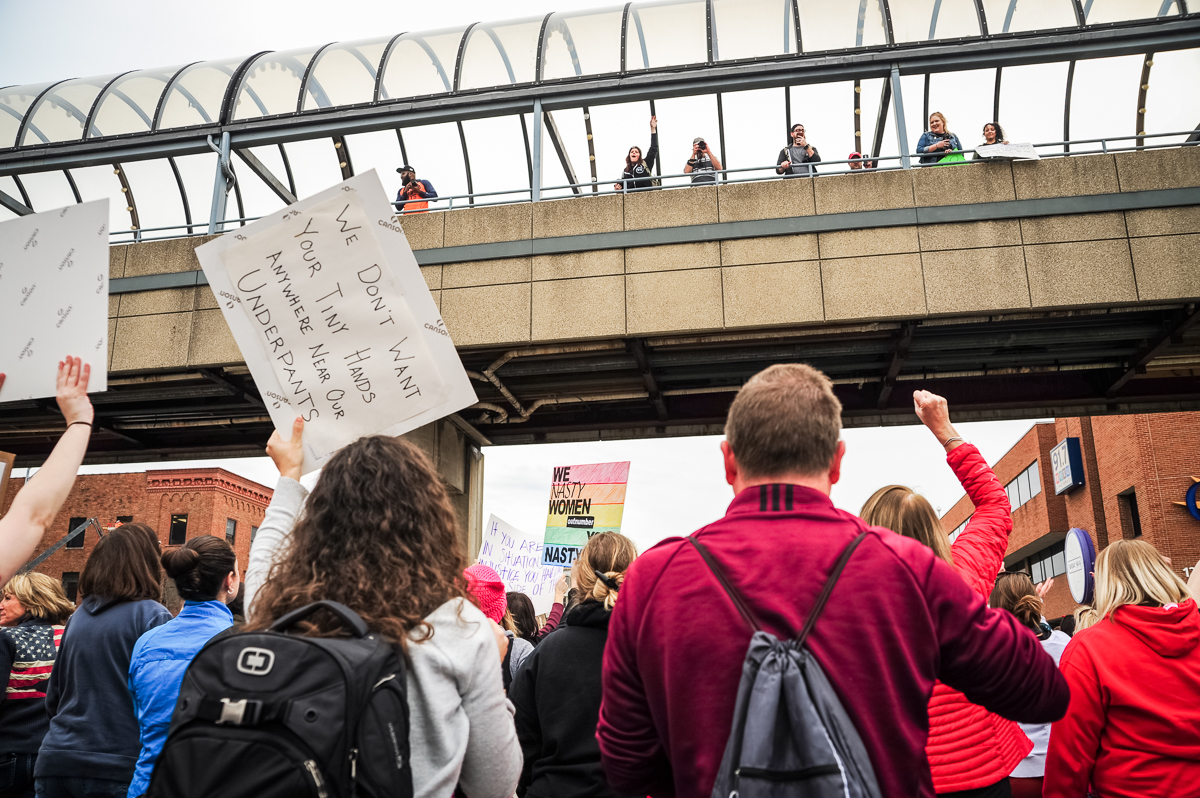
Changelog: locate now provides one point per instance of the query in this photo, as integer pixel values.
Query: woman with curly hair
(557, 691)
(378, 535)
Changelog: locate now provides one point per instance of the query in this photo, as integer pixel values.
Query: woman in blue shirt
(206, 575)
(937, 142)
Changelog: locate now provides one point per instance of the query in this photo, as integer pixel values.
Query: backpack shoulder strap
(815, 612)
(730, 590)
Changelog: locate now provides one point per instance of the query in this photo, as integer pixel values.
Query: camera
(702, 145)
(408, 179)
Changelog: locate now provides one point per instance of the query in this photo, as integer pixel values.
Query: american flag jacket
(27, 653)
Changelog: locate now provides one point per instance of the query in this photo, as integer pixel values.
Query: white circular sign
(1081, 561)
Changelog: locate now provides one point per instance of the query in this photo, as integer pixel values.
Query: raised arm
(288, 500)
(40, 499)
(556, 610)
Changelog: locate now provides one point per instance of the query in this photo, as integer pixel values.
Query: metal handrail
(686, 179)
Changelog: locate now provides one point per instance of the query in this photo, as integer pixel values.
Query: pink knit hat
(488, 589)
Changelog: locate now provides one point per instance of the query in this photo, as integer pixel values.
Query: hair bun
(178, 562)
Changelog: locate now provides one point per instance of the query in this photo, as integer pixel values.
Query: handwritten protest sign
(336, 324)
(1008, 152)
(516, 557)
(584, 500)
(53, 297)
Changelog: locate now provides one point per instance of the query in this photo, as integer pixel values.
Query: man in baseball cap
(415, 194)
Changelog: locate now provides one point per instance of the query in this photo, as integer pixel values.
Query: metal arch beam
(287, 167)
(344, 163)
(91, 114)
(127, 191)
(15, 205)
(1143, 87)
(187, 208)
(982, 14)
(21, 188)
(1160, 35)
(75, 188)
(564, 157)
(33, 107)
(383, 59)
(795, 9)
(885, 101)
(308, 68)
(162, 98)
(234, 86)
(260, 169)
(458, 58)
(1067, 106)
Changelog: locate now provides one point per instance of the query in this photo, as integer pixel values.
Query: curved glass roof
(650, 34)
(583, 147)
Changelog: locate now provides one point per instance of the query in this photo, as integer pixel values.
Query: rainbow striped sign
(584, 500)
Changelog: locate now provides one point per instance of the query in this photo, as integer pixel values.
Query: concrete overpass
(1067, 285)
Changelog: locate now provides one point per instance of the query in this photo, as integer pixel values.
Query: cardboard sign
(53, 298)
(6, 467)
(1008, 152)
(335, 321)
(584, 500)
(516, 557)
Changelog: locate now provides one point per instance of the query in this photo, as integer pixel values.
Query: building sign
(1066, 461)
(584, 500)
(1081, 565)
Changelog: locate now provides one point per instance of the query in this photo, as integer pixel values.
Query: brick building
(1136, 473)
(177, 503)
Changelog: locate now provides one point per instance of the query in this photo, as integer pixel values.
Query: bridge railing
(750, 174)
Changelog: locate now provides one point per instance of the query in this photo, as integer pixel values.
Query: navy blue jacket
(426, 192)
(93, 729)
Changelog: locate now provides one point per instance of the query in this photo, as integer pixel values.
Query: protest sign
(335, 321)
(53, 298)
(1008, 152)
(516, 557)
(584, 500)
(6, 467)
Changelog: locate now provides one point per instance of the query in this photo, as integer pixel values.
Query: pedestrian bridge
(1060, 286)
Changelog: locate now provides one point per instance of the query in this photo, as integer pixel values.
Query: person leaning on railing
(415, 194)
(637, 173)
(35, 507)
(797, 159)
(938, 142)
(703, 165)
(992, 134)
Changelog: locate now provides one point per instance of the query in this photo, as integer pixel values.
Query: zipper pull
(316, 777)
(353, 763)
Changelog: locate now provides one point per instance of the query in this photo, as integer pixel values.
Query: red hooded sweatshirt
(898, 619)
(1133, 727)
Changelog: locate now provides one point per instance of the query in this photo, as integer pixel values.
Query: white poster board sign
(53, 298)
(1008, 152)
(516, 557)
(335, 321)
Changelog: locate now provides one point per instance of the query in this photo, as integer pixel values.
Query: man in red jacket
(898, 619)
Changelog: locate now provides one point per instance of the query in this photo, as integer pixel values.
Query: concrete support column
(459, 462)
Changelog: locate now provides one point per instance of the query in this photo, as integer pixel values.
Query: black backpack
(265, 714)
(790, 736)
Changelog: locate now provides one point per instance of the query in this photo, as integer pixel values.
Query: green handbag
(956, 157)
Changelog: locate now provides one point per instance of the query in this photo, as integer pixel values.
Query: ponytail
(199, 567)
(600, 568)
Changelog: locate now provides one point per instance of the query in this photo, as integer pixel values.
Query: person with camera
(797, 159)
(703, 165)
(938, 143)
(415, 194)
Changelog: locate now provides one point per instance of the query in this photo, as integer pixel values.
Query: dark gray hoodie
(93, 729)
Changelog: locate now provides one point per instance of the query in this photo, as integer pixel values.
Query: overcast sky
(676, 485)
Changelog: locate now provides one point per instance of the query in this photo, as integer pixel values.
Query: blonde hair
(41, 596)
(785, 420)
(1085, 616)
(610, 553)
(945, 124)
(1014, 591)
(910, 514)
(1133, 572)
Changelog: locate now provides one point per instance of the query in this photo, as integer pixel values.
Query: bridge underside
(1022, 365)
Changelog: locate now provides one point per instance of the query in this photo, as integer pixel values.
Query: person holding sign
(969, 748)
(557, 692)
(992, 134)
(1133, 727)
(378, 535)
(39, 501)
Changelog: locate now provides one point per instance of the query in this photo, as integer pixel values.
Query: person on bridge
(1133, 728)
(938, 143)
(703, 165)
(37, 504)
(797, 159)
(992, 134)
(33, 610)
(969, 748)
(899, 619)
(637, 174)
(414, 195)
(206, 575)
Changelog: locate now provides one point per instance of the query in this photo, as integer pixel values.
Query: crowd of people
(924, 667)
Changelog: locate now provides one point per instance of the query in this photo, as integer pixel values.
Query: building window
(124, 519)
(70, 583)
(959, 529)
(77, 541)
(1131, 521)
(230, 530)
(1049, 562)
(253, 532)
(178, 530)
(1027, 485)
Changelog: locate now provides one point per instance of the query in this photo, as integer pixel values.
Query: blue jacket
(93, 730)
(928, 138)
(156, 672)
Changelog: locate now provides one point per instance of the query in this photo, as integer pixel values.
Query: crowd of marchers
(789, 648)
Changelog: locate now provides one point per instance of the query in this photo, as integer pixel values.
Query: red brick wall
(209, 496)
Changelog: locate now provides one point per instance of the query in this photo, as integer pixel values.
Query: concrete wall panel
(212, 343)
(485, 225)
(864, 191)
(486, 272)
(1163, 221)
(1065, 177)
(1083, 227)
(1156, 169)
(773, 199)
(116, 260)
(424, 230)
(883, 286)
(972, 280)
(963, 184)
(674, 301)
(777, 249)
(579, 264)
(1167, 267)
(580, 216)
(969, 235)
(1091, 273)
(673, 256)
(497, 314)
(152, 342)
(776, 293)
(146, 303)
(590, 307)
(871, 241)
(164, 257)
(674, 208)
